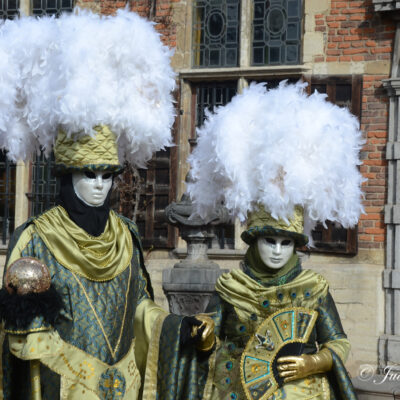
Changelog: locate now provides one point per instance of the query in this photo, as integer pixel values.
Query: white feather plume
(279, 148)
(82, 70)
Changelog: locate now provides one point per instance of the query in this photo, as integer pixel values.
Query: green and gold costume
(101, 338)
(246, 298)
(110, 341)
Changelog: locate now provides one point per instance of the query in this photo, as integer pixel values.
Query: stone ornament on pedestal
(189, 285)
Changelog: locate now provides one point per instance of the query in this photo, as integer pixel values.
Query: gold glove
(296, 367)
(208, 336)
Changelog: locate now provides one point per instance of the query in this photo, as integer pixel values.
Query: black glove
(186, 333)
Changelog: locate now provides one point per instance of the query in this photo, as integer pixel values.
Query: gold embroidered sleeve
(148, 317)
(35, 346)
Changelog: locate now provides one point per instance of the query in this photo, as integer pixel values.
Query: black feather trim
(19, 311)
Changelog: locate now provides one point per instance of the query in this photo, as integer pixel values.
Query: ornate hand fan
(281, 334)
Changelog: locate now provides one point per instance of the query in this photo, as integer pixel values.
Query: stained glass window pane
(216, 33)
(276, 37)
(51, 7)
(9, 9)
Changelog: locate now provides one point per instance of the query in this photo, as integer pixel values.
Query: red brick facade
(374, 123)
(355, 33)
(158, 11)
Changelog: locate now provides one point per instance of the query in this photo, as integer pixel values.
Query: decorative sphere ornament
(27, 275)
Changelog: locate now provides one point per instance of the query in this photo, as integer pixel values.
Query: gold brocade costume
(240, 307)
(91, 352)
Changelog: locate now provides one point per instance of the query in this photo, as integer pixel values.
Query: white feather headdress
(279, 148)
(83, 70)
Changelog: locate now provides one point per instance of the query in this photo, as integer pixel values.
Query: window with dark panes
(44, 184)
(51, 7)
(142, 196)
(344, 92)
(9, 9)
(276, 34)
(206, 96)
(7, 196)
(155, 191)
(210, 95)
(215, 34)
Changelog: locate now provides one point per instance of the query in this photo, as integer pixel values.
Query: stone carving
(190, 283)
(181, 302)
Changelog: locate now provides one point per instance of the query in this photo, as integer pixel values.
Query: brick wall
(355, 34)
(374, 123)
(159, 11)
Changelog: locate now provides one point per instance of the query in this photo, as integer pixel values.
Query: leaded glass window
(276, 32)
(45, 186)
(9, 9)
(51, 7)
(7, 196)
(216, 33)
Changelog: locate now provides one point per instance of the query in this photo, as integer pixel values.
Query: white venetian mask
(92, 187)
(275, 251)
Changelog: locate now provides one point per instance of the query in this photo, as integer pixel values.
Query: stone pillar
(389, 343)
(373, 386)
(189, 285)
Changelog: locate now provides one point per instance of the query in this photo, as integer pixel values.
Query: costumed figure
(77, 303)
(281, 160)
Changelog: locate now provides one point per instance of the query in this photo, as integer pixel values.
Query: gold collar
(99, 258)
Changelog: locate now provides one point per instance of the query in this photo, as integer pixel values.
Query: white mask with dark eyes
(92, 187)
(275, 251)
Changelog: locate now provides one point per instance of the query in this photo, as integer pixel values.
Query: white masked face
(275, 251)
(92, 187)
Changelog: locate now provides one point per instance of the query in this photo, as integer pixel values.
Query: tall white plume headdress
(279, 148)
(83, 70)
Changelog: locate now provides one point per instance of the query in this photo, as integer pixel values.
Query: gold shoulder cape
(248, 296)
(99, 258)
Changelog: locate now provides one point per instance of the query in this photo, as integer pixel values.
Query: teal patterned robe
(77, 324)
